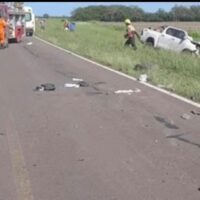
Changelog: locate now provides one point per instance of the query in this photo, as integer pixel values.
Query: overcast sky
(65, 8)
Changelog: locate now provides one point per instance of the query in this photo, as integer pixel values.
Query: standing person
(66, 25)
(3, 25)
(130, 34)
(42, 24)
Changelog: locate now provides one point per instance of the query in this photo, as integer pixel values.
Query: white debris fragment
(143, 78)
(77, 79)
(129, 92)
(186, 116)
(124, 91)
(29, 43)
(71, 85)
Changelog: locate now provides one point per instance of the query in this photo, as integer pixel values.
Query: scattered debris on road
(83, 84)
(71, 85)
(46, 87)
(29, 43)
(129, 92)
(194, 112)
(77, 79)
(80, 83)
(185, 116)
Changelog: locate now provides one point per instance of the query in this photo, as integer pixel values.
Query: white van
(29, 20)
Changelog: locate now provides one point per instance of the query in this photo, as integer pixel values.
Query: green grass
(104, 44)
(195, 35)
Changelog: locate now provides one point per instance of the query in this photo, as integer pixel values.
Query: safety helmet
(127, 21)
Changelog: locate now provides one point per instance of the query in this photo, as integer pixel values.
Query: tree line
(119, 13)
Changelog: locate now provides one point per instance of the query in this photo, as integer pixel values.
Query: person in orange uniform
(3, 25)
(130, 34)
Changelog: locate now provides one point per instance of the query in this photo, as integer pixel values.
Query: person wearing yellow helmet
(130, 34)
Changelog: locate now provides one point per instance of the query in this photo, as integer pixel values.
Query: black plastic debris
(46, 87)
(83, 84)
(194, 112)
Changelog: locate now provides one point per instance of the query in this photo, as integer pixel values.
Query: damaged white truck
(170, 38)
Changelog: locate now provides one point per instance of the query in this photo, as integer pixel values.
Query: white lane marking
(20, 172)
(124, 75)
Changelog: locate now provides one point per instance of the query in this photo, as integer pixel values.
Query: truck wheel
(150, 42)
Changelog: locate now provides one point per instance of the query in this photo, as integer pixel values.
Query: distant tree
(195, 12)
(181, 13)
(46, 16)
(137, 14)
(120, 13)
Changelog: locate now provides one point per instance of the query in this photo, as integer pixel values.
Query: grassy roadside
(104, 44)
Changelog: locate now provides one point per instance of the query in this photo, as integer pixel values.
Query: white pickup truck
(170, 38)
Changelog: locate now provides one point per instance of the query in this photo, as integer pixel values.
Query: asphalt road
(89, 143)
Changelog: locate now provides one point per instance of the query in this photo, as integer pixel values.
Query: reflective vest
(130, 30)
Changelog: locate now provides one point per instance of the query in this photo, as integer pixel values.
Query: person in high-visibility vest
(3, 25)
(130, 34)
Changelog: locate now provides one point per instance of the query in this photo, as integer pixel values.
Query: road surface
(89, 143)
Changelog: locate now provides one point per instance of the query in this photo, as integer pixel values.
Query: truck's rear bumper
(29, 30)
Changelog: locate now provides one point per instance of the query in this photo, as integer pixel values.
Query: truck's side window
(175, 33)
(170, 31)
(179, 34)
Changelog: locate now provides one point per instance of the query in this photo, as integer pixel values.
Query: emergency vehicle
(29, 21)
(14, 15)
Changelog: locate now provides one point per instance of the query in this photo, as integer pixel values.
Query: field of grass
(103, 42)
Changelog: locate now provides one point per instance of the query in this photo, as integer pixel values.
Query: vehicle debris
(71, 85)
(127, 91)
(83, 84)
(46, 87)
(29, 43)
(143, 78)
(124, 91)
(77, 79)
(185, 116)
(194, 112)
